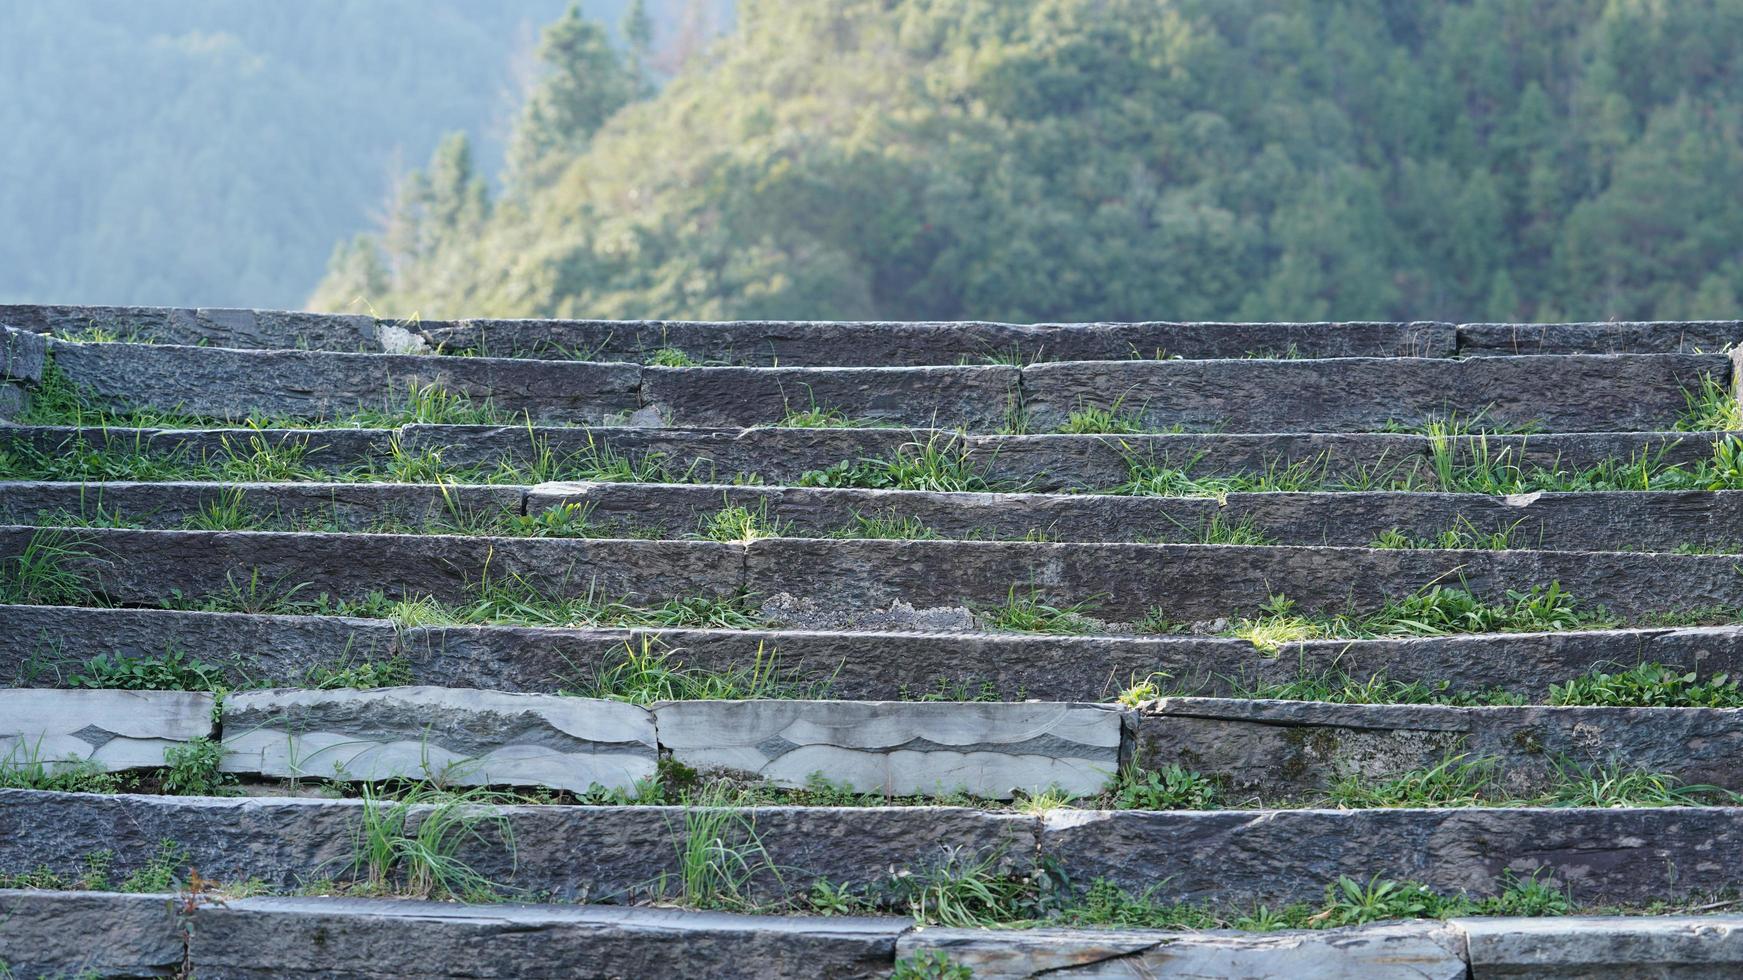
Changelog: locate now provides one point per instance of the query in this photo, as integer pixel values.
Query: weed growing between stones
(670, 357)
(192, 769)
(1245, 531)
(1436, 610)
(740, 525)
(721, 858)
(821, 417)
(1649, 685)
(363, 675)
(1338, 687)
(23, 767)
(173, 670)
(1462, 536)
(1462, 780)
(967, 889)
(1113, 420)
(1711, 406)
(1031, 613)
(645, 672)
(1148, 478)
(939, 463)
(1172, 787)
(42, 572)
(415, 845)
(888, 527)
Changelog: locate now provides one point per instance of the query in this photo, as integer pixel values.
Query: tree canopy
(1106, 159)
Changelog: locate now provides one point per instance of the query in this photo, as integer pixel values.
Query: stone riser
(1234, 858)
(42, 646)
(783, 456)
(1567, 393)
(832, 584)
(1625, 521)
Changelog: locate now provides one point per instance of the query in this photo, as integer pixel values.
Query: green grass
(1436, 610)
(1649, 685)
(939, 464)
(1172, 787)
(416, 845)
(396, 671)
(966, 889)
(1462, 536)
(736, 524)
(1711, 407)
(1113, 420)
(1339, 687)
(44, 572)
(670, 357)
(1457, 780)
(818, 417)
(192, 769)
(1245, 531)
(1030, 612)
(888, 527)
(721, 858)
(23, 768)
(644, 672)
(173, 670)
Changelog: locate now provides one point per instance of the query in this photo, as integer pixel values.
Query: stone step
(43, 646)
(605, 853)
(271, 936)
(45, 728)
(1619, 337)
(1299, 749)
(1619, 520)
(745, 342)
(1568, 393)
(863, 584)
(1039, 463)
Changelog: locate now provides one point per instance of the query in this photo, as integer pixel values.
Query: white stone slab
(898, 747)
(115, 729)
(1605, 946)
(451, 735)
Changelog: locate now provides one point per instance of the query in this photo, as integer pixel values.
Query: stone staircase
(336, 646)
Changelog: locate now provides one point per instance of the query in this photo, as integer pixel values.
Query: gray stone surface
(1620, 337)
(1655, 520)
(22, 354)
(267, 329)
(83, 934)
(901, 748)
(1610, 947)
(588, 853)
(146, 567)
(1280, 749)
(1563, 393)
(812, 343)
(226, 383)
(947, 397)
(114, 729)
(342, 506)
(278, 937)
(1426, 950)
(1239, 857)
(13, 400)
(450, 736)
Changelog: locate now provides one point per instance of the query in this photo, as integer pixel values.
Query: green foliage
(740, 525)
(1611, 785)
(1172, 787)
(192, 769)
(1436, 610)
(1340, 687)
(417, 845)
(936, 464)
(1649, 685)
(1712, 406)
(1030, 612)
(393, 672)
(721, 858)
(23, 768)
(965, 890)
(1457, 780)
(930, 964)
(645, 672)
(43, 572)
(162, 872)
(174, 670)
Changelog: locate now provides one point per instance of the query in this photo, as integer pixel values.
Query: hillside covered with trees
(1105, 159)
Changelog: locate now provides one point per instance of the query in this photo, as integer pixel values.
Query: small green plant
(1711, 407)
(227, 511)
(24, 768)
(1649, 685)
(721, 858)
(1112, 420)
(1349, 902)
(173, 671)
(930, 964)
(393, 672)
(939, 464)
(965, 889)
(415, 845)
(670, 357)
(161, 873)
(1457, 780)
(192, 769)
(739, 525)
(1462, 536)
(431, 403)
(1031, 613)
(1610, 785)
(888, 527)
(565, 520)
(645, 673)
(1172, 787)
(43, 572)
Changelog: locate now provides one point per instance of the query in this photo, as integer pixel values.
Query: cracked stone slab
(88, 934)
(1281, 749)
(22, 353)
(373, 938)
(584, 853)
(226, 383)
(1422, 950)
(1569, 393)
(449, 735)
(901, 748)
(1239, 857)
(114, 729)
(1618, 948)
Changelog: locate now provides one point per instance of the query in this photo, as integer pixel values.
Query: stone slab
(223, 383)
(147, 567)
(862, 343)
(22, 353)
(362, 938)
(1382, 951)
(42, 646)
(114, 729)
(1282, 749)
(901, 748)
(569, 853)
(13, 400)
(330, 450)
(1569, 393)
(1621, 337)
(450, 736)
(947, 397)
(216, 327)
(1605, 947)
(88, 934)
(1238, 857)
(344, 506)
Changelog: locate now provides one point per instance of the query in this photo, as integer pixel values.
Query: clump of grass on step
(645, 672)
(1031, 612)
(1649, 685)
(670, 357)
(1462, 536)
(1112, 420)
(424, 854)
(173, 670)
(938, 464)
(1457, 780)
(1711, 406)
(1342, 688)
(1171, 787)
(1437, 610)
(888, 527)
(737, 524)
(45, 572)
